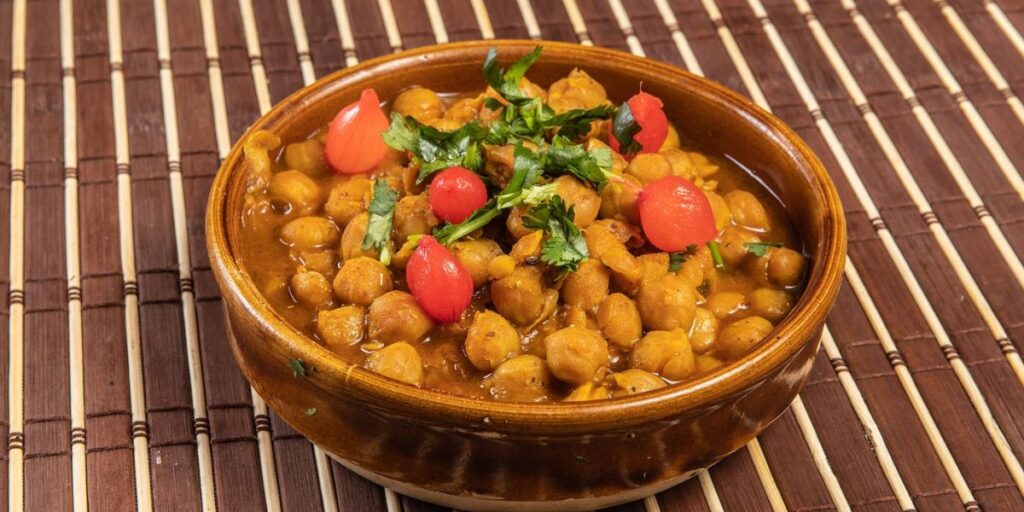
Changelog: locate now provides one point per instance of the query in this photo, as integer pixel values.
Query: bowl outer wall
(265, 343)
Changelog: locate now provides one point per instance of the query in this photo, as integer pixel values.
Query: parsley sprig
(435, 149)
(565, 247)
(381, 216)
(625, 127)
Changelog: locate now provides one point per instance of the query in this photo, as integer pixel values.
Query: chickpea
(521, 379)
(519, 296)
(725, 305)
(322, 261)
(498, 162)
(680, 163)
(341, 327)
(631, 382)
(573, 316)
(648, 167)
(395, 316)
(619, 320)
(311, 289)
(298, 190)
(720, 209)
(702, 165)
(514, 222)
(667, 303)
(587, 286)
(588, 391)
(746, 210)
(786, 267)
(463, 111)
(348, 199)
(501, 266)
(652, 266)
(422, 104)
(731, 245)
(697, 268)
(618, 161)
(618, 201)
(770, 303)
(413, 216)
(476, 256)
(361, 280)
(576, 354)
(706, 363)
(577, 90)
(532, 90)
(604, 244)
(527, 249)
(740, 336)
(490, 341)
(309, 233)
(672, 139)
(398, 361)
(703, 331)
(306, 156)
(582, 199)
(352, 239)
(401, 257)
(664, 352)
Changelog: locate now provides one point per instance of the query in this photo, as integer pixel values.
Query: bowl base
(471, 503)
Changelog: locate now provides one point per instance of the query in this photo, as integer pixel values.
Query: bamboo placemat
(121, 390)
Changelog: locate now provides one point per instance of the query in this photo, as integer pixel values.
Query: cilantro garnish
(593, 166)
(382, 213)
(565, 247)
(716, 255)
(760, 248)
(506, 82)
(436, 149)
(298, 367)
(624, 127)
(676, 259)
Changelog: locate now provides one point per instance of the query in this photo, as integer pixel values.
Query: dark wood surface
(740, 481)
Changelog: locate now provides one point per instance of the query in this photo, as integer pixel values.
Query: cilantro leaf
(298, 367)
(592, 166)
(576, 122)
(676, 259)
(760, 248)
(624, 127)
(506, 82)
(436, 149)
(565, 247)
(451, 232)
(382, 214)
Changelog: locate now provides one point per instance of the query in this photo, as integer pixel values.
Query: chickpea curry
(520, 244)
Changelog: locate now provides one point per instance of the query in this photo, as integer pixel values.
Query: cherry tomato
(647, 112)
(354, 144)
(438, 282)
(675, 214)
(456, 193)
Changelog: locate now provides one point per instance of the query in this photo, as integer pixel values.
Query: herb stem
(469, 226)
(716, 255)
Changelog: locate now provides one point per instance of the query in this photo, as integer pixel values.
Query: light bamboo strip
(707, 487)
(626, 27)
(881, 330)
(436, 21)
(936, 227)
(988, 139)
(761, 466)
(482, 19)
(832, 485)
(261, 416)
(733, 49)
(867, 421)
(987, 66)
(348, 44)
(578, 24)
(1005, 25)
(126, 241)
(682, 45)
(529, 18)
(76, 366)
(387, 13)
(16, 290)
(323, 467)
(651, 504)
(301, 42)
(950, 160)
(200, 422)
(899, 260)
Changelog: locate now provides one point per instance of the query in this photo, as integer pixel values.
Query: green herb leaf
(311, 411)
(436, 149)
(590, 166)
(624, 127)
(506, 82)
(760, 248)
(298, 367)
(403, 133)
(676, 259)
(576, 123)
(716, 255)
(565, 247)
(382, 214)
(449, 233)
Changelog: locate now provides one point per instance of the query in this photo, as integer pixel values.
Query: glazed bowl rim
(334, 374)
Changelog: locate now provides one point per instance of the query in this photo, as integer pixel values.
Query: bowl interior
(716, 119)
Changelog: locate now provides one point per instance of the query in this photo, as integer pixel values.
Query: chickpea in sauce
(548, 246)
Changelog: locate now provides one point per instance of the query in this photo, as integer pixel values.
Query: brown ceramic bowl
(474, 454)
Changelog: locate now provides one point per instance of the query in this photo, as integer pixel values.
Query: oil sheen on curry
(521, 243)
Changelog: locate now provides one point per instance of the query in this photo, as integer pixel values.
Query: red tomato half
(675, 214)
(438, 282)
(354, 144)
(648, 113)
(455, 193)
